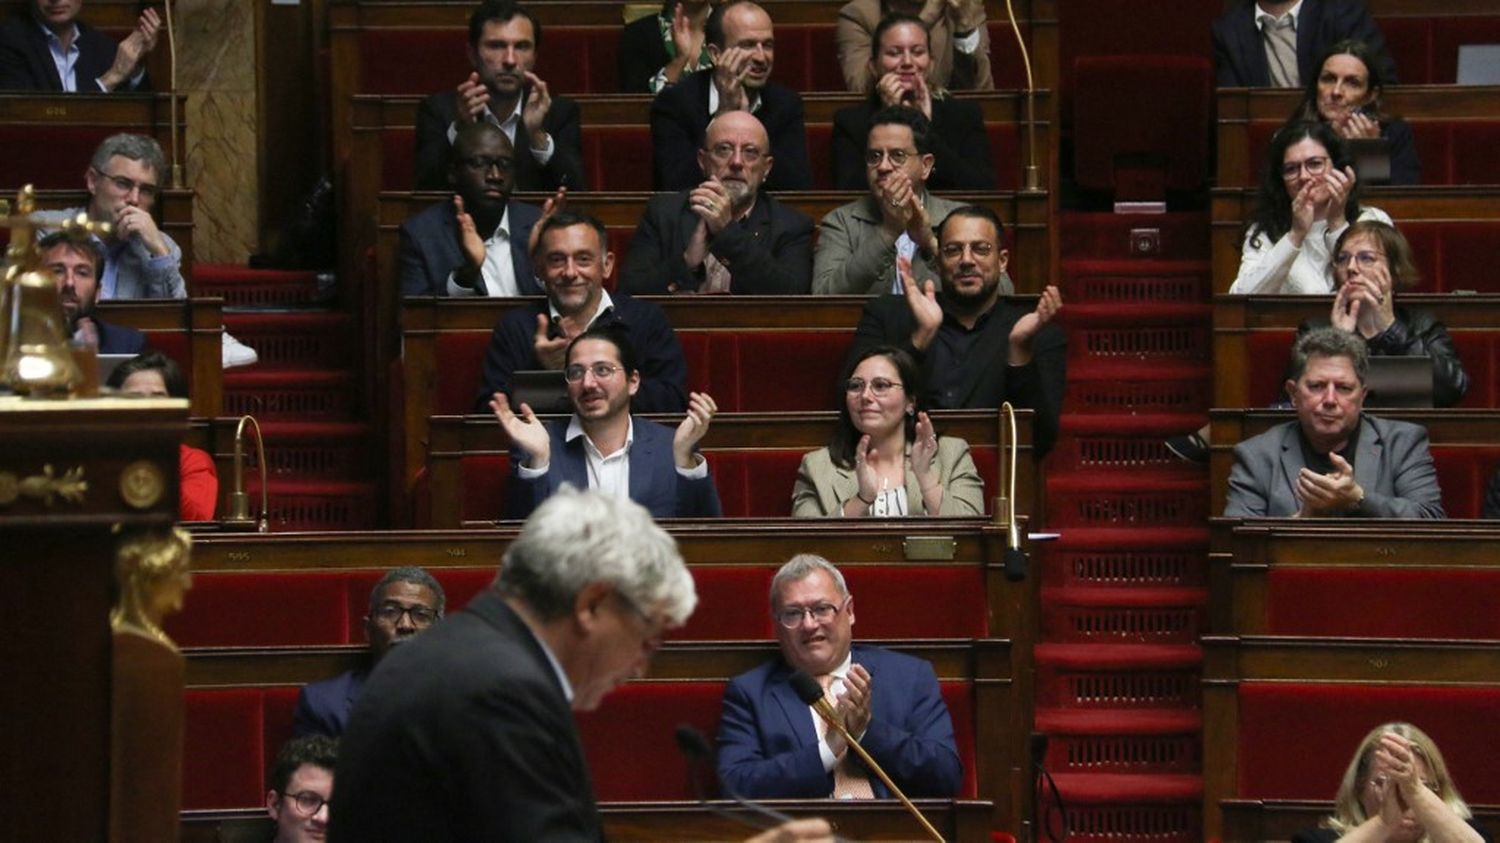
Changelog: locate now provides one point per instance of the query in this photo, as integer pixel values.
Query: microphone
(810, 692)
(1015, 558)
(696, 748)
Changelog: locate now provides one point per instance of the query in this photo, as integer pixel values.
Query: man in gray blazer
(1334, 460)
(858, 243)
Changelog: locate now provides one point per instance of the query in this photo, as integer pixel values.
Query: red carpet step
(290, 395)
(1121, 386)
(318, 450)
(296, 340)
(1103, 499)
(302, 505)
(1135, 281)
(1117, 676)
(1107, 236)
(244, 287)
(1123, 615)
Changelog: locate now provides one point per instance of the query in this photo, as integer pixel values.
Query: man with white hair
(466, 733)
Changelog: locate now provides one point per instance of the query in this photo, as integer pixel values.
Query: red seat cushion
(48, 157)
(617, 157)
(230, 736)
(459, 371)
(1112, 124)
(1383, 602)
(256, 610)
(388, 61)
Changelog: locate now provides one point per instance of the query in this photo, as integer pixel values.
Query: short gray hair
(409, 574)
(134, 147)
(1329, 342)
(579, 537)
(804, 565)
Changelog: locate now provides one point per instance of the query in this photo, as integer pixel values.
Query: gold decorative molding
(43, 487)
(142, 484)
(152, 571)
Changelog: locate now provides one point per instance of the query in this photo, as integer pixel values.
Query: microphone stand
(176, 168)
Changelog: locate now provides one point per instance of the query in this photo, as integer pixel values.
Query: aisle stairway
(1123, 594)
(304, 391)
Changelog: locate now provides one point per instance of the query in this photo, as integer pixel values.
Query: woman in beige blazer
(884, 459)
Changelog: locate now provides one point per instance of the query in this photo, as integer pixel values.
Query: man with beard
(474, 245)
(572, 260)
(975, 350)
(603, 446)
(742, 43)
(725, 235)
(1334, 460)
(858, 243)
(75, 261)
(47, 48)
(406, 602)
(503, 41)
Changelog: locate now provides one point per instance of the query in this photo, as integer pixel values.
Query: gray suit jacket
(852, 258)
(822, 488)
(1392, 465)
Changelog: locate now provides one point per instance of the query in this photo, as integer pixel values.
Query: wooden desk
(50, 138)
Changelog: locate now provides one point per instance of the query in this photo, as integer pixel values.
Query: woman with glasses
(885, 459)
(1397, 788)
(1346, 95)
(1371, 262)
(1308, 195)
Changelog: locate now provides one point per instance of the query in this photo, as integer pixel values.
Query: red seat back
(1116, 131)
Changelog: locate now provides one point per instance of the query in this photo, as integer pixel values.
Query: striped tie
(849, 781)
(1281, 49)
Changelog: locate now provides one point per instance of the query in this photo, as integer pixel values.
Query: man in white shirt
(502, 90)
(47, 48)
(1277, 43)
(605, 448)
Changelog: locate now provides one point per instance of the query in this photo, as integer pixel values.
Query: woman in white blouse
(1308, 196)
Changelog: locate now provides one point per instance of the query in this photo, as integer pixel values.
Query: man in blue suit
(773, 746)
(605, 448)
(477, 243)
(405, 602)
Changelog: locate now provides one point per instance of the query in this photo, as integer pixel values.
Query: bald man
(726, 235)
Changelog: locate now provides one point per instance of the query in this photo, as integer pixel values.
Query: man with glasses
(301, 787)
(774, 746)
(742, 42)
(475, 244)
(405, 602)
(975, 350)
(726, 235)
(572, 259)
(602, 446)
(859, 243)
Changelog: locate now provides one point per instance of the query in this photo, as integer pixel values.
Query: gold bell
(38, 361)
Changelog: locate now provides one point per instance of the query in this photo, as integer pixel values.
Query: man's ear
(273, 804)
(1004, 259)
(586, 604)
(1291, 389)
(713, 51)
(927, 164)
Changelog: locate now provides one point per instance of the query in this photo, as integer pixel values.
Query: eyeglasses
(879, 386)
(725, 151)
(484, 163)
(1363, 258)
(954, 251)
(307, 802)
(420, 615)
(125, 185)
(1314, 167)
(575, 372)
(791, 617)
(873, 157)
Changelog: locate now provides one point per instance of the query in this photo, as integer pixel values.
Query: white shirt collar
(605, 305)
(1295, 12)
(713, 99)
(575, 430)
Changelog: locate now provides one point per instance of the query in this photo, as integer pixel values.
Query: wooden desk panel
(202, 321)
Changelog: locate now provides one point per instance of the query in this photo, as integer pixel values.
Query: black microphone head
(807, 688)
(692, 742)
(1015, 564)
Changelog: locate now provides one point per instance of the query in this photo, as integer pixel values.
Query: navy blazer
(430, 251)
(323, 707)
(768, 745)
(679, 122)
(118, 339)
(1240, 54)
(438, 111)
(654, 481)
(769, 253)
(26, 62)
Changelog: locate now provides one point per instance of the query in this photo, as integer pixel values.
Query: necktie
(1281, 49)
(849, 781)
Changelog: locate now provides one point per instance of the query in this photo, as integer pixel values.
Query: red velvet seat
(48, 157)
(415, 62)
(617, 157)
(1139, 146)
(1463, 475)
(1384, 602)
(230, 738)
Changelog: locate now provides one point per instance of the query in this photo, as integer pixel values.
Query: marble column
(216, 69)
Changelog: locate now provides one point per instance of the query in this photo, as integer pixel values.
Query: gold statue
(152, 572)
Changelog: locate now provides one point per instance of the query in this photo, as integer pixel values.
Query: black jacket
(1417, 332)
(1240, 54)
(438, 112)
(679, 121)
(770, 253)
(960, 147)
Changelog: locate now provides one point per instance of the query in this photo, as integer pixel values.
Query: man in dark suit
(742, 43)
(603, 446)
(773, 746)
(1334, 460)
(572, 259)
(47, 48)
(405, 602)
(1241, 40)
(76, 262)
(725, 235)
(975, 350)
(476, 244)
(503, 40)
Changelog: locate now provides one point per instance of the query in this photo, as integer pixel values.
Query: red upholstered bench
(49, 157)
(1451, 152)
(1426, 48)
(231, 735)
(1451, 256)
(576, 59)
(1463, 475)
(1383, 602)
(1320, 725)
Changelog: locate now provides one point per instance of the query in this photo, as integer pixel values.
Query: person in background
(658, 50)
(958, 37)
(1266, 43)
(154, 375)
(47, 48)
(1345, 94)
(299, 795)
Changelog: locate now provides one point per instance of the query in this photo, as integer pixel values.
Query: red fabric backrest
(820, 154)
(733, 604)
(253, 610)
(398, 159)
(1477, 350)
(794, 57)
(486, 487)
(1007, 158)
(1006, 66)
(1321, 725)
(1383, 602)
(459, 371)
(807, 385)
(1111, 119)
(1435, 150)
(1465, 250)
(1473, 145)
(414, 61)
(1408, 40)
(960, 699)
(755, 484)
(617, 157)
(1146, 38)
(825, 71)
(230, 737)
(1448, 33)
(176, 345)
(48, 157)
(883, 597)
(697, 353)
(1463, 475)
(1267, 354)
